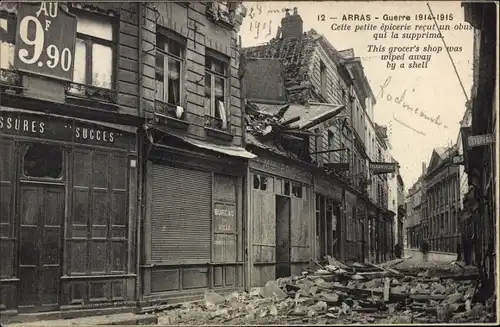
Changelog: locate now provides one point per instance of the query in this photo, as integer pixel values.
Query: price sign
(45, 40)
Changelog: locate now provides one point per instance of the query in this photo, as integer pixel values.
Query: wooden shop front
(67, 212)
(281, 215)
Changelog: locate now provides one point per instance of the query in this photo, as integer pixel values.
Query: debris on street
(339, 292)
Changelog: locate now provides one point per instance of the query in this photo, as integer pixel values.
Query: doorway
(283, 246)
(42, 194)
(327, 227)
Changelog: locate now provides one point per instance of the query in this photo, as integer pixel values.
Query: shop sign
(337, 166)
(45, 40)
(225, 217)
(47, 127)
(480, 140)
(382, 167)
(281, 169)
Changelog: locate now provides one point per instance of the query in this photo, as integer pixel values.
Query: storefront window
(43, 161)
(260, 182)
(297, 191)
(256, 182)
(287, 188)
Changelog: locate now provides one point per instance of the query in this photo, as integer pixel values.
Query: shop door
(40, 246)
(283, 249)
(41, 218)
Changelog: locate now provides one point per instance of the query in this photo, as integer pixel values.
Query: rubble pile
(343, 293)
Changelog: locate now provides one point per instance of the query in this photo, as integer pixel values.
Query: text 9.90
(33, 49)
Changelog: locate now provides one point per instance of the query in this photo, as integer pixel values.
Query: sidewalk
(115, 319)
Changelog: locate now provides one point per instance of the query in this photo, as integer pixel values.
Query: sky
(435, 89)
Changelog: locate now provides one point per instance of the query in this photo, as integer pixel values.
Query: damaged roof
(284, 129)
(307, 114)
(296, 53)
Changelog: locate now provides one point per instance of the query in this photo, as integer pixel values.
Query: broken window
(263, 183)
(260, 182)
(169, 54)
(94, 53)
(287, 188)
(43, 161)
(256, 182)
(215, 86)
(297, 190)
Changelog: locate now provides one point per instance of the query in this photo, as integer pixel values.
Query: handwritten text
(257, 26)
(383, 94)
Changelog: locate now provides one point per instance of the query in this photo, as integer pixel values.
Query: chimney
(292, 25)
(423, 168)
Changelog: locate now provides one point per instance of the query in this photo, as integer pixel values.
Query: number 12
(321, 17)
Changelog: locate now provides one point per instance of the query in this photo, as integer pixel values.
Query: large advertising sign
(45, 40)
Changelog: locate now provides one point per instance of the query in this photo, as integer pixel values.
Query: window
(169, 68)
(342, 153)
(7, 40)
(330, 145)
(259, 182)
(297, 190)
(287, 188)
(215, 87)
(94, 53)
(43, 161)
(323, 79)
(263, 183)
(256, 182)
(446, 193)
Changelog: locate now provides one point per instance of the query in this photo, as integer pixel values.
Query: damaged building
(311, 180)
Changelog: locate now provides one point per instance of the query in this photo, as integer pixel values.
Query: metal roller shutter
(181, 215)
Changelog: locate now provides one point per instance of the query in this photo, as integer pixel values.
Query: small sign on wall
(225, 217)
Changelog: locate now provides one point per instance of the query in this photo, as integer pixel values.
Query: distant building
(399, 236)
(413, 221)
(443, 201)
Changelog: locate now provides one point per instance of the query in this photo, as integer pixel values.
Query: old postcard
(229, 163)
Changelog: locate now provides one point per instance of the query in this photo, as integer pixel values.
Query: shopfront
(281, 211)
(362, 230)
(67, 212)
(351, 226)
(328, 204)
(193, 227)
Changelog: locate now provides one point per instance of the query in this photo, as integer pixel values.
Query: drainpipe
(140, 156)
